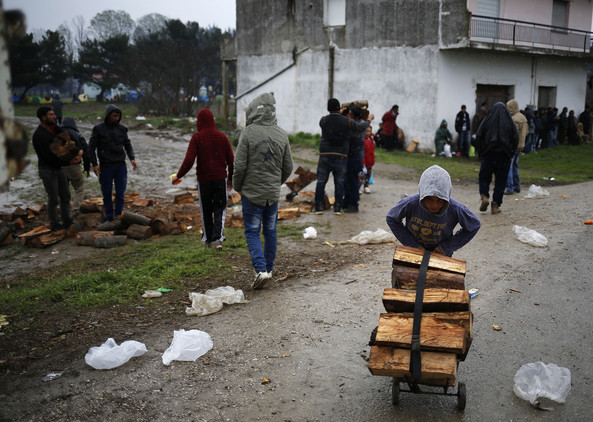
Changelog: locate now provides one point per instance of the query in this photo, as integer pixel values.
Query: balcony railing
(528, 34)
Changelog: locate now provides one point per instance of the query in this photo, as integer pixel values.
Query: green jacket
(442, 137)
(263, 160)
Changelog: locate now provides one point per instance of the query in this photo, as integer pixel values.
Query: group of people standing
(548, 128)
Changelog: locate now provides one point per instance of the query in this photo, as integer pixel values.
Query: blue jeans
(352, 183)
(464, 143)
(513, 184)
(497, 163)
(255, 218)
(109, 176)
(336, 166)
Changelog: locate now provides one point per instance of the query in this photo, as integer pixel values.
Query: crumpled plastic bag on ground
(212, 300)
(529, 236)
(379, 236)
(227, 294)
(187, 346)
(109, 355)
(538, 380)
(310, 233)
(536, 192)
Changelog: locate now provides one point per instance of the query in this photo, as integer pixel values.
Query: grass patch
(303, 139)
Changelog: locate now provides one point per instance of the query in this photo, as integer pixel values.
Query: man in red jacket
(390, 140)
(211, 150)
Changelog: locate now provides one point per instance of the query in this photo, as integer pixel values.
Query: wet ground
(308, 334)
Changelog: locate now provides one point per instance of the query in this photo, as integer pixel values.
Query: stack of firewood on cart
(445, 326)
(142, 219)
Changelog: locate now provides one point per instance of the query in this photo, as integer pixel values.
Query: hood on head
(513, 106)
(205, 120)
(443, 123)
(110, 109)
(69, 123)
(435, 181)
(262, 110)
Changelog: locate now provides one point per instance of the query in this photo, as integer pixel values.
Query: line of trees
(165, 59)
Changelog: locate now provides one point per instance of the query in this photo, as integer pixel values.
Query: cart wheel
(461, 396)
(395, 392)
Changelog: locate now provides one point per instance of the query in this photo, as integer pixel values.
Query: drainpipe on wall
(533, 81)
(331, 69)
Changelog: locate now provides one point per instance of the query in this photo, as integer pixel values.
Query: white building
(427, 56)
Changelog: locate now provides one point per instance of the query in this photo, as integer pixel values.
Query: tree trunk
(110, 241)
(139, 232)
(45, 240)
(129, 218)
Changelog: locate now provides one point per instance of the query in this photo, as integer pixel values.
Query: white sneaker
(260, 279)
(367, 190)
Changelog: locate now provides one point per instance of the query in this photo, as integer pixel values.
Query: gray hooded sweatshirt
(263, 160)
(424, 229)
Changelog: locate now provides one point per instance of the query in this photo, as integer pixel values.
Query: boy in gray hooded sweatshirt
(432, 215)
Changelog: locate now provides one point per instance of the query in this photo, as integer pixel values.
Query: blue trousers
(326, 165)
(464, 143)
(257, 218)
(109, 176)
(352, 184)
(513, 183)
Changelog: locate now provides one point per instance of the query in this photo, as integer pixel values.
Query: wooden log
(234, 198)
(89, 220)
(434, 300)
(110, 241)
(110, 226)
(143, 202)
(305, 208)
(358, 103)
(38, 231)
(159, 225)
(18, 213)
(288, 213)
(302, 170)
(405, 255)
(406, 277)
(235, 220)
(438, 369)
(36, 209)
(88, 238)
(131, 197)
(395, 330)
(139, 232)
(129, 218)
(91, 205)
(184, 198)
(6, 238)
(46, 240)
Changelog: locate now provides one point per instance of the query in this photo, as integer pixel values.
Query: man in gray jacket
(263, 162)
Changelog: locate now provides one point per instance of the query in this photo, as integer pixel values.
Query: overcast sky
(49, 14)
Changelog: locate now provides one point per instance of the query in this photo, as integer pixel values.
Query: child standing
(369, 158)
(431, 216)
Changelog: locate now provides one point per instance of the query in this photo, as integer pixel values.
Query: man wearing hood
(263, 162)
(431, 216)
(496, 143)
(110, 143)
(443, 137)
(212, 153)
(513, 183)
(72, 171)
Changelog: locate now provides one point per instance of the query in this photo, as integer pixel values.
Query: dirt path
(322, 320)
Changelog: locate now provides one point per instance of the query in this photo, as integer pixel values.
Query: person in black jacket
(496, 142)
(50, 169)
(111, 143)
(73, 172)
(333, 153)
(463, 129)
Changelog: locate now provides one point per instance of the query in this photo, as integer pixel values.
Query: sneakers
(218, 245)
(494, 208)
(509, 192)
(260, 279)
(484, 203)
(367, 189)
(316, 211)
(338, 212)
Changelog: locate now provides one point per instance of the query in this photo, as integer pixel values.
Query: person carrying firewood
(431, 216)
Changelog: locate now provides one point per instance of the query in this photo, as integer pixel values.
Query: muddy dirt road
(321, 321)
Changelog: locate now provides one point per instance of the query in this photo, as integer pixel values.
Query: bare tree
(69, 45)
(79, 31)
(111, 23)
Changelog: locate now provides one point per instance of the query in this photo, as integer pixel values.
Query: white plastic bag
(379, 236)
(536, 192)
(109, 355)
(447, 151)
(310, 233)
(227, 294)
(529, 236)
(537, 380)
(203, 304)
(187, 346)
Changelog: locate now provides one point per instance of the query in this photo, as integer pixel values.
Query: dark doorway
(492, 94)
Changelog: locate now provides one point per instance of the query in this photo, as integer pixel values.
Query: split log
(434, 300)
(18, 213)
(5, 216)
(6, 239)
(307, 196)
(234, 220)
(139, 232)
(131, 197)
(143, 202)
(129, 218)
(46, 240)
(406, 277)
(412, 257)
(38, 231)
(395, 330)
(358, 103)
(110, 226)
(36, 209)
(89, 221)
(91, 205)
(288, 213)
(184, 198)
(110, 241)
(305, 208)
(88, 238)
(234, 198)
(5, 231)
(438, 369)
